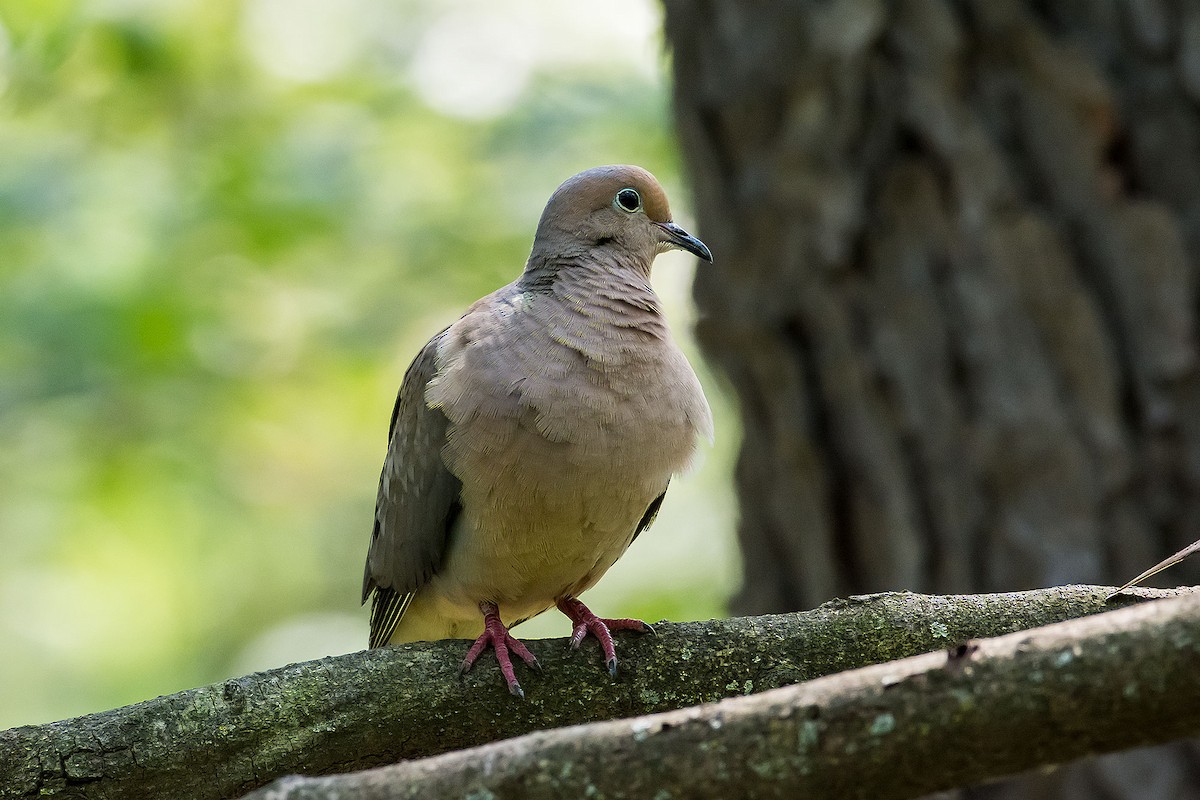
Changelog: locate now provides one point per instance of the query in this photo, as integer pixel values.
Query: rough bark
(955, 293)
(376, 707)
(884, 732)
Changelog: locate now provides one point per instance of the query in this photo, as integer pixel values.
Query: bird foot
(585, 622)
(501, 641)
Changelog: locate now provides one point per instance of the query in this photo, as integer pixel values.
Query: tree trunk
(955, 292)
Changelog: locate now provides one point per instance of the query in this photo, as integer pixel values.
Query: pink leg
(586, 622)
(501, 641)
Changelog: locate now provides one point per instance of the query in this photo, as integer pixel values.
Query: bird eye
(628, 200)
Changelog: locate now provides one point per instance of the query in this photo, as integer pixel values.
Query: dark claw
(585, 622)
(516, 690)
(535, 665)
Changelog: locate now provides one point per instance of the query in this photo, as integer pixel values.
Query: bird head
(620, 207)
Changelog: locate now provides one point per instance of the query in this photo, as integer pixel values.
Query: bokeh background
(225, 229)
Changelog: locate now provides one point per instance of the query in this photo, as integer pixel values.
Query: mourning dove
(534, 438)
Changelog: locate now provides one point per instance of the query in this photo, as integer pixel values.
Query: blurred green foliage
(221, 241)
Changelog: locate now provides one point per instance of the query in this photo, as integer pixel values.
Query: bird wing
(418, 501)
(650, 515)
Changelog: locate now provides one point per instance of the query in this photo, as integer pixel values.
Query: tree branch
(895, 730)
(377, 707)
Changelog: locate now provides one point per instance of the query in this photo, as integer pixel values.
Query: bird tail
(387, 608)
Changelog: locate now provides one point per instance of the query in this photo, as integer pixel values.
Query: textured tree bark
(885, 732)
(380, 706)
(955, 291)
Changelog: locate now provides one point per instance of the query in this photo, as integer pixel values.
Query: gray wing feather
(417, 503)
(651, 514)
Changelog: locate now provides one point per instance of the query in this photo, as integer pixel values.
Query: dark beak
(675, 236)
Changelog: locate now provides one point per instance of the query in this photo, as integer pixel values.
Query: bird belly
(524, 556)
(540, 521)
(523, 570)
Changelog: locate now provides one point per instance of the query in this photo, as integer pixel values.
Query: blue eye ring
(628, 200)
